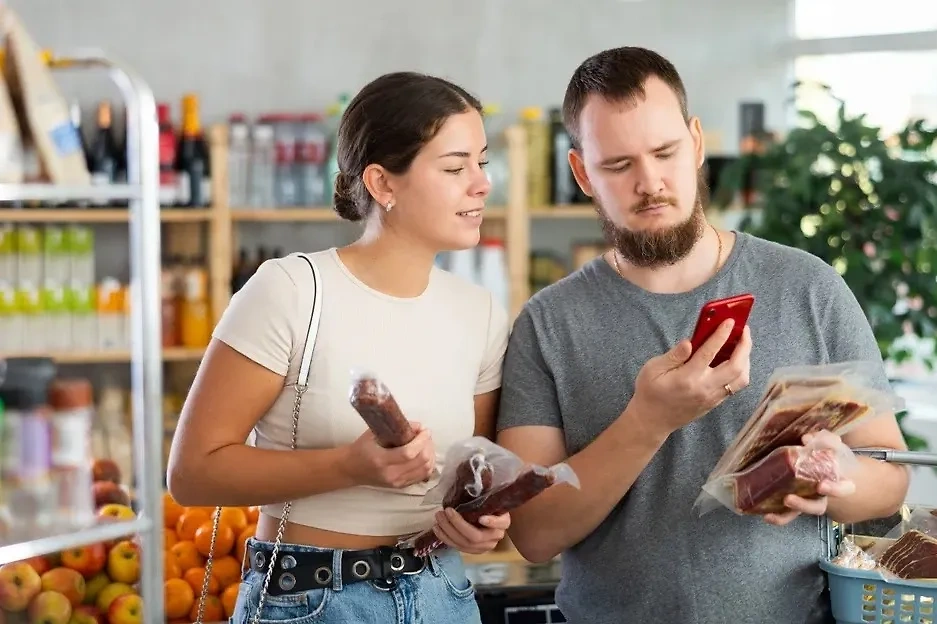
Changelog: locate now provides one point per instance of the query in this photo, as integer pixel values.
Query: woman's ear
(377, 181)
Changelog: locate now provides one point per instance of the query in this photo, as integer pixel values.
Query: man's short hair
(618, 74)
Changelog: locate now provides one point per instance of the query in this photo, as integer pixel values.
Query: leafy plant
(864, 203)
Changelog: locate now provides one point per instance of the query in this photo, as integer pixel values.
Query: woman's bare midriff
(311, 536)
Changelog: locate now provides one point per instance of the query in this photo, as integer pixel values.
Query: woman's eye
(459, 170)
(483, 164)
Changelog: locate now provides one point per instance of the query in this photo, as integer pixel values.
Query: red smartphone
(713, 314)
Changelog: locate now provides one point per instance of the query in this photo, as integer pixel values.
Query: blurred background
(820, 119)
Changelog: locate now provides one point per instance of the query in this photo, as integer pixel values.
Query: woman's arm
(210, 464)
(486, 413)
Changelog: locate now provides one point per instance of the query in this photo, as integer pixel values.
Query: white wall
(292, 54)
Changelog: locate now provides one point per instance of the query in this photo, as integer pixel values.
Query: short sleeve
(846, 330)
(528, 392)
(496, 342)
(258, 322)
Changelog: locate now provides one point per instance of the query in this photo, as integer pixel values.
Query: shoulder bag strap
(302, 382)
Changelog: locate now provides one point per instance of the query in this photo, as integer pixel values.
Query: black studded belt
(296, 572)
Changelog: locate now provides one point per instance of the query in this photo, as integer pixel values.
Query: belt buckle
(385, 585)
(418, 570)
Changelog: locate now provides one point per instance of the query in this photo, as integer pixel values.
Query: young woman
(411, 152)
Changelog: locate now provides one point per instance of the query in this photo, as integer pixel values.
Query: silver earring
(389, 205)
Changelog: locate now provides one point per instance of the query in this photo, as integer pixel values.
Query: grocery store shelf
(56, 543)
(173, 354)
(311, 213)
(62, 193)
(583, 211)
(97, 215)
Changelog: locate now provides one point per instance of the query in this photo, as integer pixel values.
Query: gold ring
(728, 390)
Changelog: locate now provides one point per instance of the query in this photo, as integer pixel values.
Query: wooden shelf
(173, 354)
(311, 213)
(583, 211)
(97, 215)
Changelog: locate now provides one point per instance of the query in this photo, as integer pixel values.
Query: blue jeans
(440, 593)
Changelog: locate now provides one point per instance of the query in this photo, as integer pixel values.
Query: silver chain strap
(297, 403)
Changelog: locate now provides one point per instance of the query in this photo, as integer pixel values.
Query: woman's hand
(368, 463)
(452, 529)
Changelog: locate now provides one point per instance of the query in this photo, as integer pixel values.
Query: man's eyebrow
(614, 160)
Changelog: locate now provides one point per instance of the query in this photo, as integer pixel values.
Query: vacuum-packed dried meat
(799, 470)
(377, 406)
(912, 556)
(480, 478)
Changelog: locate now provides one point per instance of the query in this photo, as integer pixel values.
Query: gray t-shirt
(571, 363)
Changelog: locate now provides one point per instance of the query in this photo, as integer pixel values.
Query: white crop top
(435, 352)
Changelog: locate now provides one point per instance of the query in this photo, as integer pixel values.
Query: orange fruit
(224, 540)
(169, 538)
(214, 611)
(171, 511)
(234, 517)
(171, 567)
(229, 599)
(178, 597)
(227, 570)
(189, 521)
(253, 514)
(187, 556)
(241, 543)
(195, 577)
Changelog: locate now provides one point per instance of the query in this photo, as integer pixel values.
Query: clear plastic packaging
(374, 402)
(850, 555)
(480, 479)
(799, 400)
(762, 488)
(909, 550)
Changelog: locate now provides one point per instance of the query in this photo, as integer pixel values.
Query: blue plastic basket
(864, 597)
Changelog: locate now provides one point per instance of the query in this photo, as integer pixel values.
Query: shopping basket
(864, 596)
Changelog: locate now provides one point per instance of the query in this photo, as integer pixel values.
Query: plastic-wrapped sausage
(481, 478)
(377, 406)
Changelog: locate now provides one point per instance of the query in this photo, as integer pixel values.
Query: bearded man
(599, 373)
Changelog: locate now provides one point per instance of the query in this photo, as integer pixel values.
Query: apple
(65, 581)
(123, 562)
(94, 585)
(50, 607)
(107, 595)
(86, 560)
(105, 470)
(116, 511)
(126, 609)
(40, 564)
(87, 614)
(108, 492)
(19, 583)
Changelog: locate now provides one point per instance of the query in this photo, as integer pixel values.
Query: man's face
(641, 164)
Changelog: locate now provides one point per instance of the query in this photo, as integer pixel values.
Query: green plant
(864, 203)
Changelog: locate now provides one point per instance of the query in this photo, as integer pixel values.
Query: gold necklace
(715, 269)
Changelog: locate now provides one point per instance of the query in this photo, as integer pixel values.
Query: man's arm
(880, 487)
(563, 516)
(530, 424)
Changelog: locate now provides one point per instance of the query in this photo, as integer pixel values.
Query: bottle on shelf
(239, 154)
(195, 323)
(285, 139)
(262, 164)
(538, 156)
(168, 183)
(71, 403)
(192, 164)
(492, 269)
(103, 155)
(311, 152)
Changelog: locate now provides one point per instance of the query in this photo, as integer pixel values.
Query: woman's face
(440, 199)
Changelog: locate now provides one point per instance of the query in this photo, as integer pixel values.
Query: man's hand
(826, 489)
(677, 388)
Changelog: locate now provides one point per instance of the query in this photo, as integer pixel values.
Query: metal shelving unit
(141, 193)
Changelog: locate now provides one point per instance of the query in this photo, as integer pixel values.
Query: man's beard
(651, 249)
